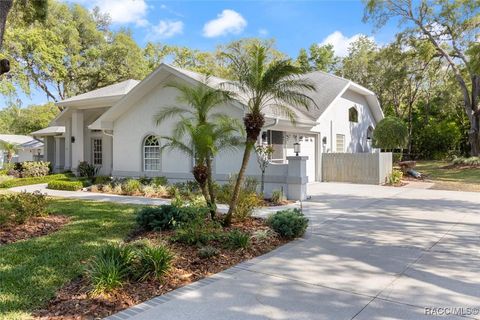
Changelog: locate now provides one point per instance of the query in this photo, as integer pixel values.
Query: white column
(68, 144)
(297, 178)
(57, 165)
(78, 154)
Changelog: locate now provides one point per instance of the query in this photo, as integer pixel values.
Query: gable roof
(106, 93)
(328, 88)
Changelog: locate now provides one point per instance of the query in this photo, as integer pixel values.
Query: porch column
(68, 144)
(78, 153)
(58, 150)
(297, 178)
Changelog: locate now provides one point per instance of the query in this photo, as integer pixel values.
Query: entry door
(307, 148)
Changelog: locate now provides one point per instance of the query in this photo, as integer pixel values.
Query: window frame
(353, 114)
(151, 149)
(337, 144)
(97, 154)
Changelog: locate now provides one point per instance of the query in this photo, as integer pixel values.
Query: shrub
(110, 269)
(117, 189)
(289, 223)
(103, 180)
(395, 177)
(278, 197)
(197, 231)
(262, 235)
(167, 217)
(160, 181)
(145, 180)
(206, 252)
(247, 202)
(162, 191)
(390, 133)
(237, 239)
(107, 188)
(149, 191)
(65, 185)
(19, 207)
(88, 170)
(153, 262)
(131, 186)
(34, 169)
(34, 180)
(472, 161)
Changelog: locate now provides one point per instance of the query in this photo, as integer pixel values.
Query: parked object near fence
(366, 168)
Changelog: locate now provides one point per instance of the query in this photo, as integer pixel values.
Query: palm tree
(11, 149)
(201, 133)
(261, 84)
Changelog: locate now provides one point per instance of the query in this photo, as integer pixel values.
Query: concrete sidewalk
(370, 253)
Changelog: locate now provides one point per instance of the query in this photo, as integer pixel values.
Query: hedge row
(33, 180)
(65, 185)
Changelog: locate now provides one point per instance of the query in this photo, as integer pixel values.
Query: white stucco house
(28, 148)
(113, 128)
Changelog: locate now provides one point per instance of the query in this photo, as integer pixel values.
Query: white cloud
(341, 42)
(166, 29)
(228, 21)
(124, 11)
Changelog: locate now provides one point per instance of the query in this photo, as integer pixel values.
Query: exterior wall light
(296, 148)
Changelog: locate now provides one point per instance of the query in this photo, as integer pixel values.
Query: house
(27, 148)
(114, 129)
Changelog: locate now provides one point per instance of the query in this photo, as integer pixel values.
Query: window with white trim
(97, 158)
(151, 154)
(340, 143)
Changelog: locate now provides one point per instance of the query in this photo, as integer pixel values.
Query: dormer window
(353, 114)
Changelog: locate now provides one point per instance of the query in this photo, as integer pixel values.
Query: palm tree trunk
(241, 175)
(211, 189)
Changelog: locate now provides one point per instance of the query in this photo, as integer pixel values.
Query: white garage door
(307, 147)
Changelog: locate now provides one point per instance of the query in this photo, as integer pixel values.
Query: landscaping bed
(75, 301)
(35, 227)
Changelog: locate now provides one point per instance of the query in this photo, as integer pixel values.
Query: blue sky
(205, 24)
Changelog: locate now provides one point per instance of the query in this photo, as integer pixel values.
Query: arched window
(370, 133)
(151, 154)
(352, 114)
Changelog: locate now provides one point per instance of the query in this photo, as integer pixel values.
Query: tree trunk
(211, 189)
(239, 183)
(5, 6)
(262, 184)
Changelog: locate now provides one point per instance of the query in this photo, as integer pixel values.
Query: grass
(463, 179)
(32, 271)
(18, 182)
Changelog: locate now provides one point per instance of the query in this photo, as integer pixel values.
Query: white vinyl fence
(365, 168)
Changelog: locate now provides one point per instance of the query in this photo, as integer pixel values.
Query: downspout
(275, 122)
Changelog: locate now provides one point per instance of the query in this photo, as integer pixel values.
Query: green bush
(278, 197)
(110, 269)
(153, 262)
(390, 133)
(87, 170)
(65, 185)
(34, 180)
(206, 252)
(166, 217)
(395, 177)
(197, 231)
(29, 169)
(19, 207)
(289, 223)
(237, 239)
(472, 161)
(103, 180)
(160, 181)
(131, 186)
(247, 202)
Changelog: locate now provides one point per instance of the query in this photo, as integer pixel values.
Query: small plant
(247, 202)
(472, 161)
(262, 235)
(88, 170)
(131, 186)
(278, 197)
(153, 262)
(206, 252)
(237, 239)
(289, 223)
(160, 181)
(65, 185)
(107, 188)
(149, 191)
(168, 217)
(117, 189)
(395, 177)
(197, 231)
(103, 180)
(110, 269)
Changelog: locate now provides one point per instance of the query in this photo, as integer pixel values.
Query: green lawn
(31, 271)
(467, 179)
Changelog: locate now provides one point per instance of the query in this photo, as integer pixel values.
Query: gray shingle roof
(25, 142)
(113, 90)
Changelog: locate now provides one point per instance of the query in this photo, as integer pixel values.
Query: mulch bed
(34, 227)
(74, 302)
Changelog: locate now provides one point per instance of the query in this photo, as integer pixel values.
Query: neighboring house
(28, 148)
(114, 128)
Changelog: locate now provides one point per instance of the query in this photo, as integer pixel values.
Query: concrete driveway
(370, 253)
